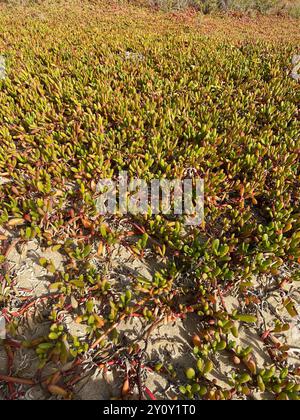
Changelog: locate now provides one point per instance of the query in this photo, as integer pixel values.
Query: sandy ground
(170, 343)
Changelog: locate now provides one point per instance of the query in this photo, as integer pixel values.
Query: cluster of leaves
(247, 380)
(73, 110)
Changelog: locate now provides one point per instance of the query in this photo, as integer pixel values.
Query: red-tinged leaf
(150, 395)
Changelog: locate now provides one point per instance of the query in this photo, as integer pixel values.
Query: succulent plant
(82, 102)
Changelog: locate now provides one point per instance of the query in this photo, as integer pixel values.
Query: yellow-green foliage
(74, 110)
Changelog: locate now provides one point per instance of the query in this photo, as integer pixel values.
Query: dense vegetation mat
(155, 308)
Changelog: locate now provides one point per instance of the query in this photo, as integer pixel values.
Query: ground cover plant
(147, 305)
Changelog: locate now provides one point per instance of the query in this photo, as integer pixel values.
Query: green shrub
(294, 11)
(245, 6)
